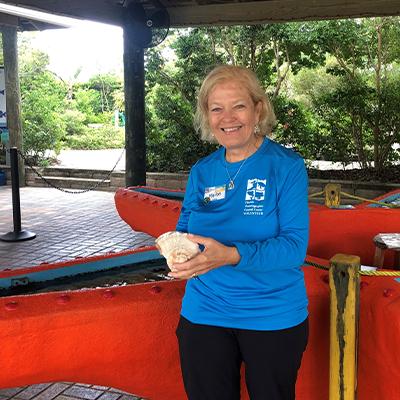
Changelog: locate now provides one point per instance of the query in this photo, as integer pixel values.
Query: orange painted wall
(351, 232)
(331, 231)
(125, 337)
(147, 213)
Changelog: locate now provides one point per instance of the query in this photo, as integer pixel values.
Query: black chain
(95, 186)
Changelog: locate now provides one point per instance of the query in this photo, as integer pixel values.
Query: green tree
(42, 103)
(87, 101)
(298, 128)
(105, 86)
(271, 51)
(172, 143)
(97, 98)
(366, 53)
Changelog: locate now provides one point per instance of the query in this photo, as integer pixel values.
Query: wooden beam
(105, 11)
(332, 194)
(259, 12)
(135, 135)
(13, 96)
(8, 20)
(184, 14)
(344, 282)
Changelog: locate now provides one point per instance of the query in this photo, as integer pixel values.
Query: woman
(246, 205)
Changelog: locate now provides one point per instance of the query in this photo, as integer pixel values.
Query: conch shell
(176, 247)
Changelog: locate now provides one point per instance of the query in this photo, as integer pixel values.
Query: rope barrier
(365, 273)
(380, 273)
(319, 266)
(316, 194)
(381, 203)
(371, 201)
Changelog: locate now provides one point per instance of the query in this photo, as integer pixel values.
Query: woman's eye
(215, 109)
(240, 106)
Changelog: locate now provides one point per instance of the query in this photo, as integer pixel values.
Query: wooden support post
(13, 97)
(332, 195)
(344, 282)
(135, 135)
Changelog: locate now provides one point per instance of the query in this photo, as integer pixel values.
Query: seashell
(176, 247)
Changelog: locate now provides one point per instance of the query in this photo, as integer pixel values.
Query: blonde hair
(249, 80)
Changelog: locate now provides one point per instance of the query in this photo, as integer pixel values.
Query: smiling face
(232, 116)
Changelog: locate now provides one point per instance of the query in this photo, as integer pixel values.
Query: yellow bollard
(332, 194)
(344, 282)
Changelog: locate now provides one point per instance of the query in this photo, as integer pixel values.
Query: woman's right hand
(214, 255)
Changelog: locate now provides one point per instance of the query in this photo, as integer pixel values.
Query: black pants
(211, 358)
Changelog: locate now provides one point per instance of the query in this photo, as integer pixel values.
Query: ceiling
(220, 12)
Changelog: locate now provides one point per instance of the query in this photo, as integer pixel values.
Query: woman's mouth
(231, 129)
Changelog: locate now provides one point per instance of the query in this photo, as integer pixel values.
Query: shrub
(104, 137)
(74, 122)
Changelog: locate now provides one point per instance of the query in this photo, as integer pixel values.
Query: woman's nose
(228, 115)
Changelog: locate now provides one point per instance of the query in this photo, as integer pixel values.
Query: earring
(256, 129)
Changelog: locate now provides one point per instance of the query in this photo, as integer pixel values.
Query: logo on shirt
(255, 194)
(256, 189)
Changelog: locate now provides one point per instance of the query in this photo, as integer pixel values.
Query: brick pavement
(67, 226)
(65, 391)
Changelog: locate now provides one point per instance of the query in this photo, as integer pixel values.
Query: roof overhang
(26, 19)
(184, 13)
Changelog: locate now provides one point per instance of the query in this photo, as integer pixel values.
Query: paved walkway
(92, 159)
(67, 226)
(65, 391)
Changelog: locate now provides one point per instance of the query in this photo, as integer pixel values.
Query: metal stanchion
(17, 235)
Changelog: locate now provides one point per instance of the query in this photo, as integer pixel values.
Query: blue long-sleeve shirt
(266, 217)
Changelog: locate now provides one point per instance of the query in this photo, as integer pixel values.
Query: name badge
(214, 193)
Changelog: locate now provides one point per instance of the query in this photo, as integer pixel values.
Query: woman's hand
(214, 255)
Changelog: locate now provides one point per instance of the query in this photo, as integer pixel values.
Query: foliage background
(335, 86)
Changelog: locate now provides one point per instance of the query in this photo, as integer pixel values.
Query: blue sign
(5, 136)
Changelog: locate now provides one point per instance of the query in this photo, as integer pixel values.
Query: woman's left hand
(214, 255)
